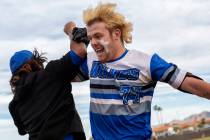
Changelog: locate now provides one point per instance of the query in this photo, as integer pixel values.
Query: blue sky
(178, 30)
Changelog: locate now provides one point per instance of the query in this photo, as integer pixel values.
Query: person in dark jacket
(43, 105)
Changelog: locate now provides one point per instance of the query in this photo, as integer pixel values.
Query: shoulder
(138, 58)
(139, 54)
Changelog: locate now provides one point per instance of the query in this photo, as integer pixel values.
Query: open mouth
(99, 51)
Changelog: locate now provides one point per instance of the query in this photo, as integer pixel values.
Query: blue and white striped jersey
(121, 93)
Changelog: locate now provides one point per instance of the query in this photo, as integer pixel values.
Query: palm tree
(158, 109)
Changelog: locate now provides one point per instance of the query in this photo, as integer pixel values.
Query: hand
(68, 28)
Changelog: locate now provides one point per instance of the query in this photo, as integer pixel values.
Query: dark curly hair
(35, 64)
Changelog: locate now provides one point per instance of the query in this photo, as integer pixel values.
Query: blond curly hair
(113, 20)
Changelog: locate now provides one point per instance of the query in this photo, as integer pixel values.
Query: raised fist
(68, 28)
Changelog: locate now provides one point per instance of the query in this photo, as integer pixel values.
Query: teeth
(99, 50)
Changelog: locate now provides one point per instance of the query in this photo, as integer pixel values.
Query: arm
(196, 86)
(82, 72)
(177, 78)
(79, 40)
(67, 67)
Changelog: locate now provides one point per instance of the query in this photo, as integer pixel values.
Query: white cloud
(28, 19)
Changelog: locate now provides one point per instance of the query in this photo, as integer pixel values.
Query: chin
(102, 60)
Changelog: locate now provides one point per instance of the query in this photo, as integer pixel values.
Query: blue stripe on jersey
(116, 95)
(105, 96)
(150, 93)
(111, 127)
(158, 66)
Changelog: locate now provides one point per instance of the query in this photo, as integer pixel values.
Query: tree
(158, 109)
(202, 123)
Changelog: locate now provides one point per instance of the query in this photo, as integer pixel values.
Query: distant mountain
(193, 120)
(201, 115)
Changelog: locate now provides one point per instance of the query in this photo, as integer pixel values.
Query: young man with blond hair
(122, 81)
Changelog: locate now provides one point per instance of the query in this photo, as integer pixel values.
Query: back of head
(106, 13)
(24, 62)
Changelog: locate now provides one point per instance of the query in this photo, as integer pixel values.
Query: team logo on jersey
(99, 70)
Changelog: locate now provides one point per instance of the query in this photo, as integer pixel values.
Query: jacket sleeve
(64, 68)
(82, 73)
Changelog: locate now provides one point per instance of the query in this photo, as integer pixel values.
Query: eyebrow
(95, 34)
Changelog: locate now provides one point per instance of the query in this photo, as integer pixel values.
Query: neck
(120, 49)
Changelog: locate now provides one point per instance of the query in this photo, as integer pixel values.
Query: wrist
(76, 60)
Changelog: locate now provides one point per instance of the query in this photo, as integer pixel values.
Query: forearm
(196, 86)
(82, 73)
(79, 49)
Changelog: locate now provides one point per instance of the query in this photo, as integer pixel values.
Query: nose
(93, 42)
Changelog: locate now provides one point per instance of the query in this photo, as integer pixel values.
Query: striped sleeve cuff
(177, 78)
(173, 76)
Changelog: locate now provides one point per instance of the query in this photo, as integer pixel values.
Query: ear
(116, 34)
